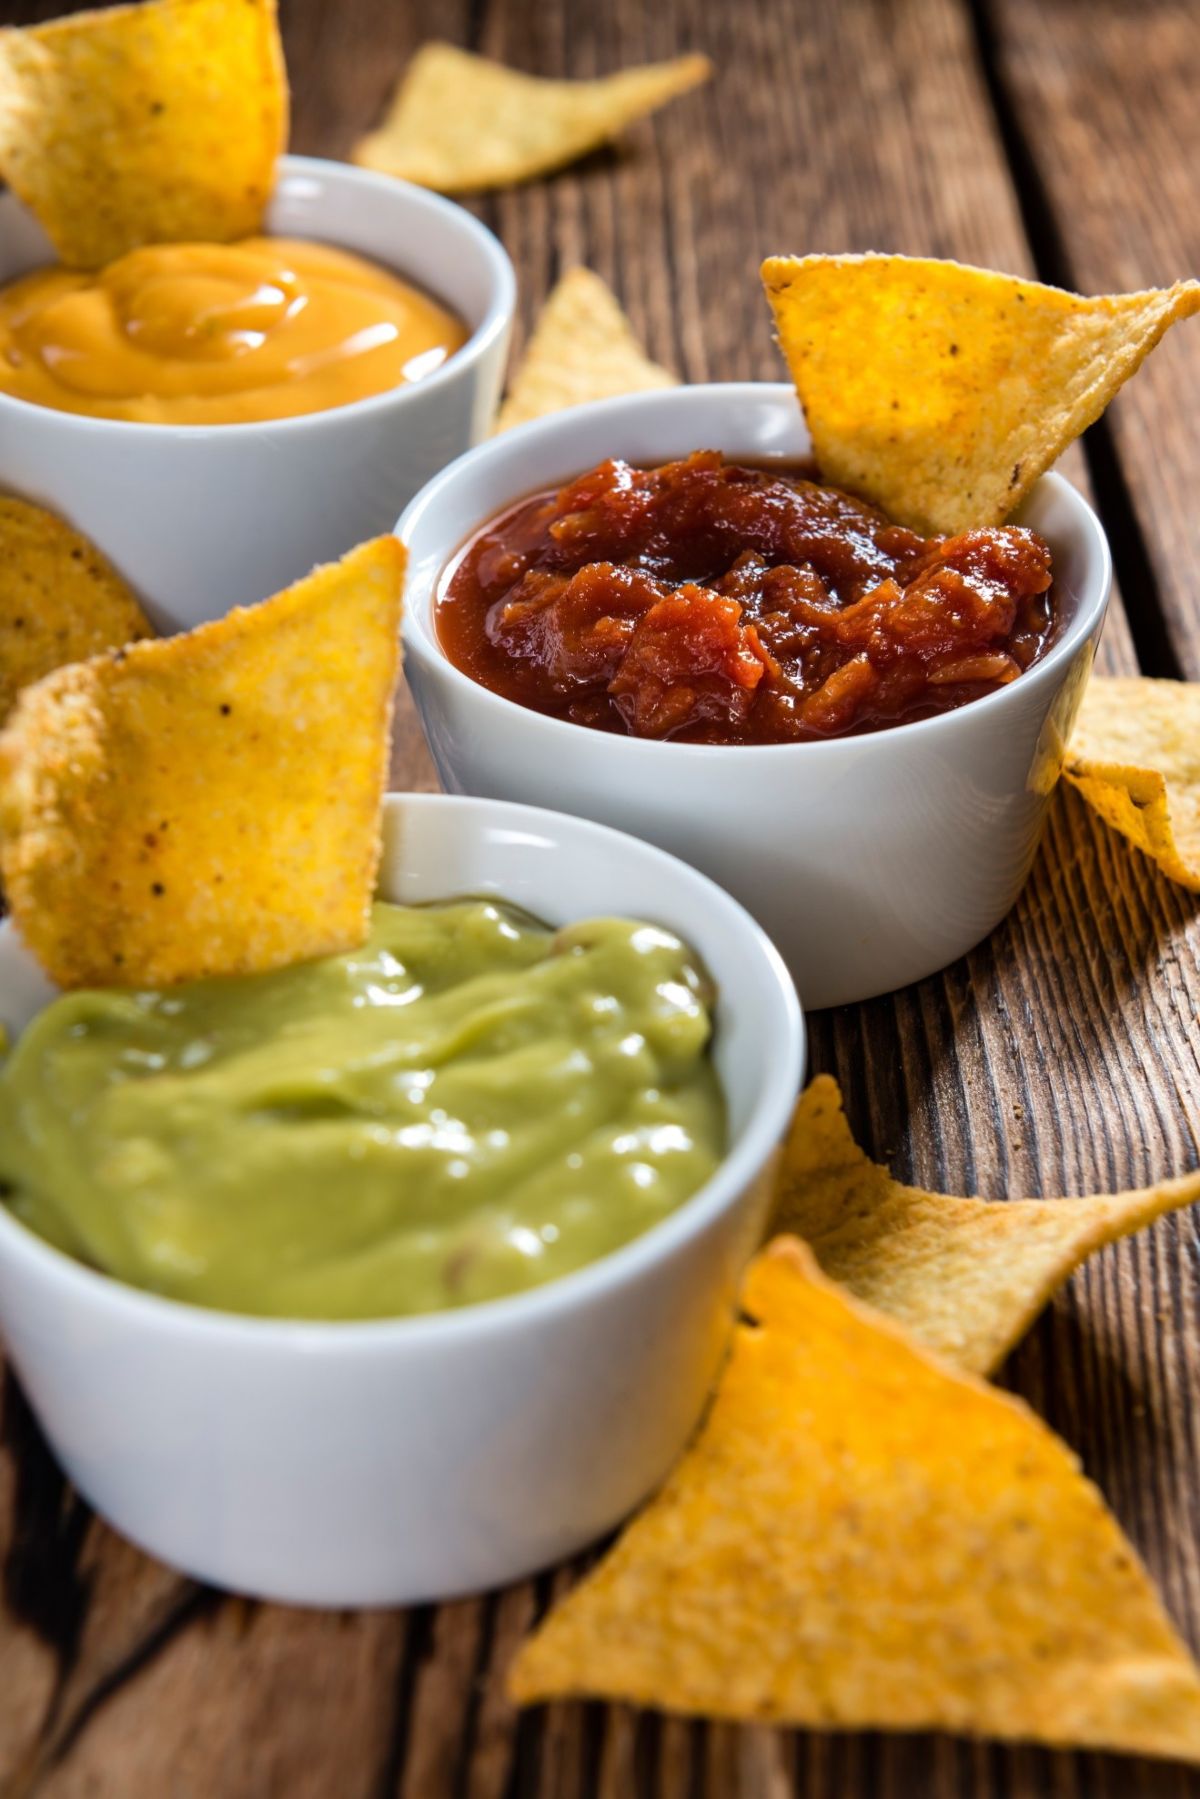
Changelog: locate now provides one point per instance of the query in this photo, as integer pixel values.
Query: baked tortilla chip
(144, 124)
(966, 1277)
(1135, 757)
(208, 804)
(862, 1537)
(60, 600)
(460, 123)
(940, 392)
(582, 348)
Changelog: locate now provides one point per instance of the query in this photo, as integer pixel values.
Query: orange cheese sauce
(218, 334)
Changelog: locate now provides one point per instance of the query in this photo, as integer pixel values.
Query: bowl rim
(419, 633)
(740, 1165)
(496, 319)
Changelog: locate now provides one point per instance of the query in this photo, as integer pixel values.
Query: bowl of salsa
(651, 612)
(399, 1273)
(220, 417)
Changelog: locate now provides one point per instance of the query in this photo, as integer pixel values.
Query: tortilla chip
(940, 392)
(208, 804)
(582, 348)
(460, 123)
(862, 1537)
(60, 600)
(145, 124)
(1135, 757)
(967, 1277)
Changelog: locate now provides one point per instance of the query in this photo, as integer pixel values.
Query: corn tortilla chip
(60, 600)
(940, 392)
(460, 123)
(861, 1536)
(144, 124)
(966, 1277)
(208, 804)
(1135, 757)
(582, 348)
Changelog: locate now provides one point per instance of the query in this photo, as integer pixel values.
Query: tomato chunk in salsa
(717, 603)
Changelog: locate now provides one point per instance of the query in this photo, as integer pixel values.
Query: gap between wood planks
(1132, 566)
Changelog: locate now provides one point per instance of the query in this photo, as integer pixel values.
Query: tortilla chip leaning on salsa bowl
(940, 392)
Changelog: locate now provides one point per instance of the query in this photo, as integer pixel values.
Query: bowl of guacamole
(402, 1272)
(471, 1104)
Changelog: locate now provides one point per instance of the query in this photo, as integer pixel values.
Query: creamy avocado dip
(469, 1105)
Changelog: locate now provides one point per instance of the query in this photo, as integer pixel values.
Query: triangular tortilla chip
(582, 348)
(460, 123)
(144, 124)
(208, 804)
(1135, 757)
(940, 392)
(966, 1277)
(860, 1537)
(60, 600)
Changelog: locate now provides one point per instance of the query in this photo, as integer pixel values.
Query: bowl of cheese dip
(220, 417)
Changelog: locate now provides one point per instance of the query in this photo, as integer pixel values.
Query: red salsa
(723, 604)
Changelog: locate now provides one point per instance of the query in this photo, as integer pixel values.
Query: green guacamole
(468, 1106)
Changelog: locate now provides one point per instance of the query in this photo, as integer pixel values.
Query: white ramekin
(870, 860)
(392, 1462)
(203, 517)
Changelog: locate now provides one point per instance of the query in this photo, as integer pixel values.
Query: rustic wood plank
(444, 1701)
(1061, 1056)
(35, 1627)
(492, 1750)
(132, 1605)
(250, 1700)
(1105, 100)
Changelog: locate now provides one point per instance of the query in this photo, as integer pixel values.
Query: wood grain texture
(1060, 1056)
(1105, 98)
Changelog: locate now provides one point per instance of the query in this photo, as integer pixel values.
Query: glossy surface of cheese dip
(214, 334)
(470, 1105)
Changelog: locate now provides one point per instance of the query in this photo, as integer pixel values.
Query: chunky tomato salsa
(722, 604)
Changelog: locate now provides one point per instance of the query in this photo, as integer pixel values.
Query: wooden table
(1048, 137)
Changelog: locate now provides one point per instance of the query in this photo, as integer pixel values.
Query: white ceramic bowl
(203, 517)
(871, 860)
(392, 1462)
